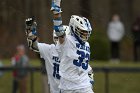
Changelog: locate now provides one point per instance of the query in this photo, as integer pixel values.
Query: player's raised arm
(57, 20)
(31, 34)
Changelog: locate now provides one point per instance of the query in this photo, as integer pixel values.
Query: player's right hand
(30, 26)
(55, 7)
(29, 21)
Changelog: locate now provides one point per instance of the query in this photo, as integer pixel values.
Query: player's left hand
(90, 74)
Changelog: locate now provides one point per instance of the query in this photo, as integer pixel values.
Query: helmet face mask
(82, 34)
(81, 27)
(55, 38)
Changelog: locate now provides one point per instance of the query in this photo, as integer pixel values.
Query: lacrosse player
(74, 52)
(48, 52)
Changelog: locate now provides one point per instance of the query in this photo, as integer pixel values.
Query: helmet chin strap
(84, 38)
(79, 40)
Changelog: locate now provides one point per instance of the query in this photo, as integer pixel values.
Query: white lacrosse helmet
(67, 32)
(79, 26)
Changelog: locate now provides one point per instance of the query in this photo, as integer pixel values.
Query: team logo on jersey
(83, 47)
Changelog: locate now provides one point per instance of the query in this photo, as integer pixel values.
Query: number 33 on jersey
(84, 54)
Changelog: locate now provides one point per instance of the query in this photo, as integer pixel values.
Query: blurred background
(99, 12)
(12, 33)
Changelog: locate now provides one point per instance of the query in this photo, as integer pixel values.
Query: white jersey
(74, 64)
(48, 52)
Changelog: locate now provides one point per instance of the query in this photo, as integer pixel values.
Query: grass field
(118, 82)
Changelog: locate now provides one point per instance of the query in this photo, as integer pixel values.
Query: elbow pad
(59, 30)
(58, 27)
